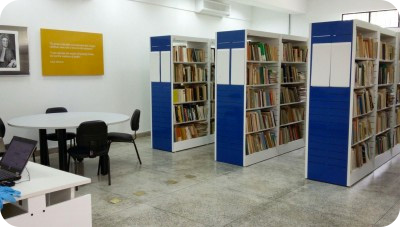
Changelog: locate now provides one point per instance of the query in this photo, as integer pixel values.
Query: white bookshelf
(231, 71)
(163, 84)
(338, 90)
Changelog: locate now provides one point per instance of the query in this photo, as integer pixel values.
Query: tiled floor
(189, 188)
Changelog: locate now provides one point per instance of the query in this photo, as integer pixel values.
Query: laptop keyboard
(5, 174)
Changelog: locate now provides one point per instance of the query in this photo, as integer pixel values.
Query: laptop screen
(17, 154)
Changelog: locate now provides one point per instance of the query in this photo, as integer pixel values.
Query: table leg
(44, 150)
(62, 149)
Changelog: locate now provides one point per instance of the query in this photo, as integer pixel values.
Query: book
(362, 102)
(290, 133)
(291, 114)
(190, 94)
(190, 112)
(387, 51)
(396, 135)
(366, 47)
(294, 53)
(386, 74)
(360, 154)
(259, 120)
(385, 98)
(290, 95)
(257, 75)
(382, 121)
(364, 75)
(190, 73)
(290, 74)
(190, 131)
(259, 97)
(186, 54)
(361, 128)
(260, 141)
(382, 143)
(257, 51)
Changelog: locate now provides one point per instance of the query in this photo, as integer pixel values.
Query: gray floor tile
(390, 216)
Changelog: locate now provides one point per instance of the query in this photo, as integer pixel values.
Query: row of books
(361, 129)
(360, 154)
(366, 47)
(290, 133)
(185, 54)
(364, 74)
(257, 51)
(258, 98)
(190, 94)
(384, 98)
(260, 141)
(294, 53)
(185, 113)
(363, 102)
(382, 121)
(291, 114)
(257, 74)
(290, 74)
(386, 74)
(259, 120)
(190, 73)
(396, 135)
(212, 92)
(397, 117)
(190, 131)
(383, 143)
(387, 51)
(290, 95)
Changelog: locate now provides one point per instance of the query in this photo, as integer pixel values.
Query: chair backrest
(56, 110)
(2, 129)
(135, 120)
(92, 135)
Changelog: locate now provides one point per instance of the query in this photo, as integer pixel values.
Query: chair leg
(137, 152)
(33, 155)
(109, 169)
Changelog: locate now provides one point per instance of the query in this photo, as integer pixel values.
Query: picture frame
(14, 56)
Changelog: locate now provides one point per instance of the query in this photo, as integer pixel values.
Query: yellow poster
(69, 53)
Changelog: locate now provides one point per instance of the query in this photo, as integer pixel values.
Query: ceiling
(288, 6)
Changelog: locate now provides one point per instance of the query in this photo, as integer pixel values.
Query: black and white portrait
(9, 51)
(14, 58)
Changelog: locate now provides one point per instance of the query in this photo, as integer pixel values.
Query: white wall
(126, 27)
(271, 21)
(324, 10)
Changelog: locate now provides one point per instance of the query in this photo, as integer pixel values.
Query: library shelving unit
(212, 87)
(180, 91)
(396, 129)
(350, 111)
(260, 95)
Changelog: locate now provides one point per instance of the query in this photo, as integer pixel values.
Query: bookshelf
(180, 92)
(261, 80)
(351, 110)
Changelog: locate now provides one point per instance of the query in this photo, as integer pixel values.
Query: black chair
(3, 133)
(53, 136)
(91, 142)
(125, 137)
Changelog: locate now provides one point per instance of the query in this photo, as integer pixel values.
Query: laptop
(14, 160)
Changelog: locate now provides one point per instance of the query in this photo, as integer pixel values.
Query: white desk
(48, 199)
(61, 122)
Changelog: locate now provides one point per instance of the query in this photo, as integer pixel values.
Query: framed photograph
(14, 57)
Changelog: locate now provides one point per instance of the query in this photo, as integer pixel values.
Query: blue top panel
(332, 32)
(231, 39)
(160, 43)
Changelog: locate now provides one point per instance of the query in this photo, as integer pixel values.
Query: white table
(48, 199)
(61, 122)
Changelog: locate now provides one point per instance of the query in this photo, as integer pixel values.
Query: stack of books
(190, 94)
(290, 95)
(259, 98)
(382, 121)
(185, 54)
(289, 115)
(259, 142)
(363, 102)
(290, 133)
(383, 99)
(387, 51)
(361, 129)
(259, 120)
(257, 51)
(294, 53)
(190, 73)
(290, 74)
(366, 47)
(383, 143)
(360, 154)
(257, 75)
(364, 74)
(386, 74)
(185, 113)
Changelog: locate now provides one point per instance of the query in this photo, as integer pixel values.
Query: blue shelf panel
(231, 39)
(161, 116)
(160, 43)
(230, 132)
(332, 32)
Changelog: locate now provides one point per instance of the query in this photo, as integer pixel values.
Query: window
(383, 18)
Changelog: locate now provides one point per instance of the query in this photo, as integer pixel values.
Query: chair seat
(81, 152)
(119, 137)
(54, 137)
